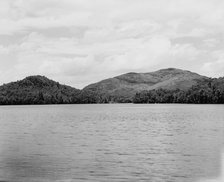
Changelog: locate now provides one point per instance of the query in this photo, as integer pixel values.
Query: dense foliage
(40, 90)
(37, 90)
(123, 88)
(90, 97)
(209, 92)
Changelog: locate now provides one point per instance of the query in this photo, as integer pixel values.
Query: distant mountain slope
(122, 88)
(218, 83)
(210, 91)
(37, 90)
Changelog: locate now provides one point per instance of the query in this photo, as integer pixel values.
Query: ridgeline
(37, 90)
(163, 86)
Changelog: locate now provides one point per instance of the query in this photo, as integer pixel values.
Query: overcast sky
(77, 42)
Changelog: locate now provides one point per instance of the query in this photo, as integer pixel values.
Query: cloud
(215, 67)
(81, 41)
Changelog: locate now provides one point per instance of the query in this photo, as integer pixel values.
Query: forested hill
(124, 87)
(163, 86)
(37, 90)
(210, 91)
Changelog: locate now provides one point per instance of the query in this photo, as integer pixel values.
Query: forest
(37, 90)
(210, 92)
(41, 90)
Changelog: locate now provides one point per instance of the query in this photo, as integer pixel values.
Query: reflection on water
(175, 143)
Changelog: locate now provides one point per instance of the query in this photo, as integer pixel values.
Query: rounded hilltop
(37, 89)
(122, 88)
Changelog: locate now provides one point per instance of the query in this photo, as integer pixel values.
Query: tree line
(211, 92)
(40, 90)
(37, 90)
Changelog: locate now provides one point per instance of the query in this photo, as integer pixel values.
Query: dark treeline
(209, 92)
(37, 90)
(40, 90)
(89, 97)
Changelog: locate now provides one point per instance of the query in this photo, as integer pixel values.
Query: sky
(78, 42)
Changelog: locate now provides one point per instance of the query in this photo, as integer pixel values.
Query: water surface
(111, 143)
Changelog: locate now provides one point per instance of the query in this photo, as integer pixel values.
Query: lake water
(108, 143)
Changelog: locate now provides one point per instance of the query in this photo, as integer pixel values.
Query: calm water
(117, 142)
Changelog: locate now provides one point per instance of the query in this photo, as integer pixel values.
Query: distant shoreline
(169, 86)
(112, 104)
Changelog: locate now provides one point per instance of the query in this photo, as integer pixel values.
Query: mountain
(37, 90)
(123, 88)
(210, 91)
(163, 86)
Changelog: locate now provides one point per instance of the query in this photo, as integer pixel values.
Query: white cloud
(71, 38)
(215, 67)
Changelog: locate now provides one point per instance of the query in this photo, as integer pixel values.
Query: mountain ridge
(123, 88)
(126, 85)
(37, 90)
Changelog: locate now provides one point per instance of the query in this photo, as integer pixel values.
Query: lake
(111, 143)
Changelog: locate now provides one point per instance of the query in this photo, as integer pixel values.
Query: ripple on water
(97, 143)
